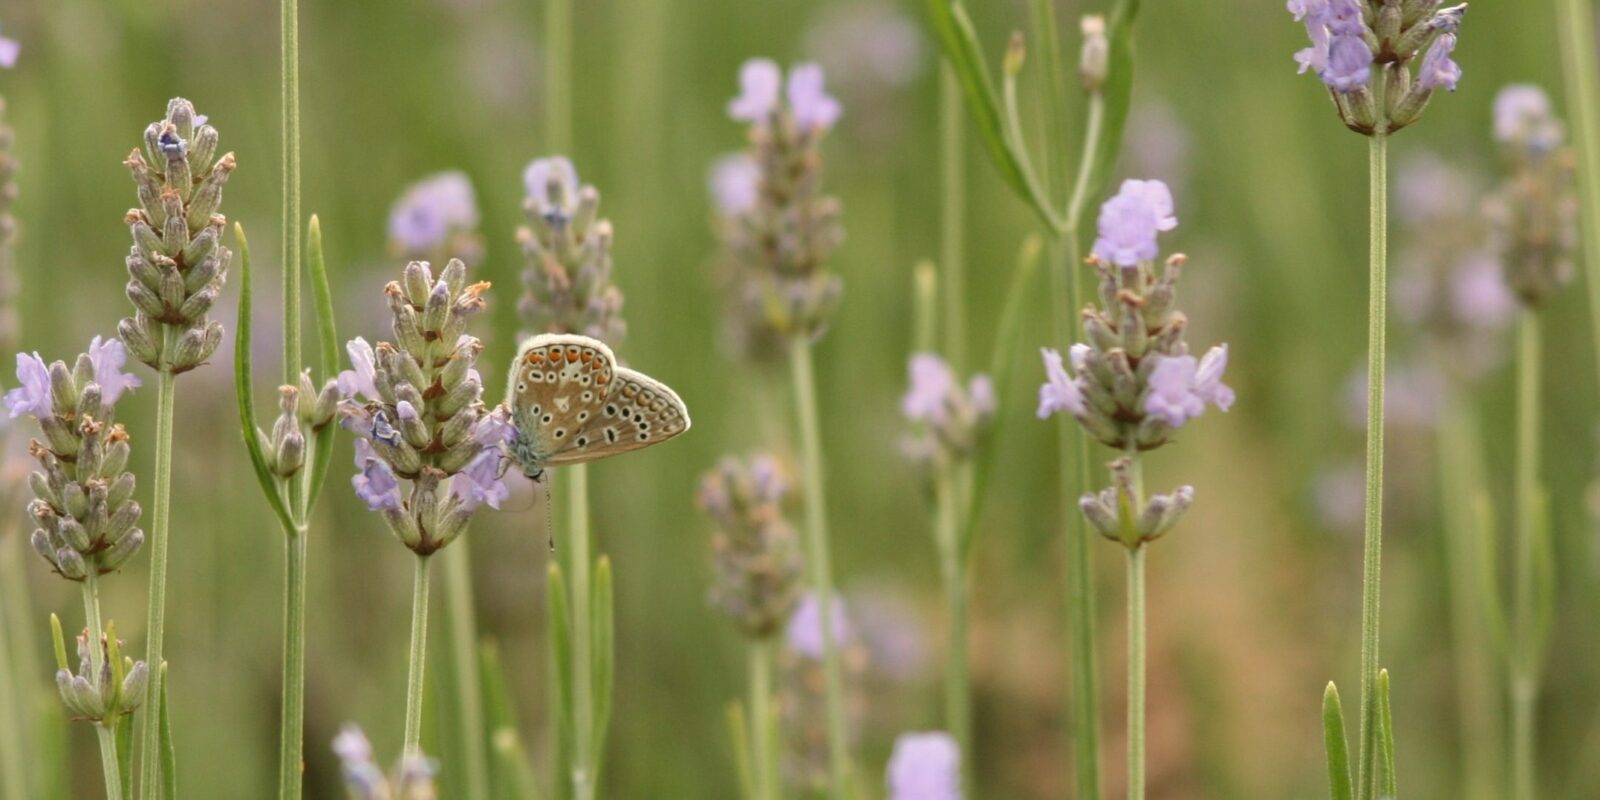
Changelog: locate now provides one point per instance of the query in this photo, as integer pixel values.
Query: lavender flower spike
(1438, 70)
(1059, 392)
(759, 83)
(925, 766)
(9, 50)
(552, 185)
(813, 108)
(32, 396)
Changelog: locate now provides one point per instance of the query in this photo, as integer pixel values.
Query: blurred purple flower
(814, 108)
(358, 381)
(760, 80)
(805, 626)
(1059, 391)
(925, 766)
(1479, 296)
(928, 398)
(1412, 396)
(9, 50)
(980, 390)
(868, 42)
(1438, 70)
(1522, 115)
(107, 358)
(32, 396)
(552, 185)
(430, 210)
(479, 482)
(1129, 222)
(375, 483)
(735, 183)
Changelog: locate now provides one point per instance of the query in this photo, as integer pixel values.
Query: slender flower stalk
(1575, 21)
(14, 766)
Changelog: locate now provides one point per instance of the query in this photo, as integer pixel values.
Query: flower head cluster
(755, 551)
(777, 227)
(925, 766)
(8, 236)
(1133, 383)
(103, 689)
(416, 406)
(567, 282)
(949, 417)
(1351, 40)
(436, 219)
(177, 264)
(1533, 214)
(83, 503)
(411, 779)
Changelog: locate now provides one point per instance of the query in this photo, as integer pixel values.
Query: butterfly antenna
(549, 514)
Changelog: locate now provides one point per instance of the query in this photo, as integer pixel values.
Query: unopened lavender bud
(1098, 331)
(418, 283)
(409, 370)
(457, 398)
(191, 349)
(63, 390)
(460, 364)
(289, 455)
(62, 438)
(133, 685)
(148, 187)
(198, 303)
(139, 344)
(146, 242)
(454, 276)
(118, 525)
(147, 300)
(411, 425)
(40, 486)
(115, 460)
(456, 429)
(326, 406)
(202, 274)
(74, 534)
(205, 242)
(40, 541)
(1094, 59)
(70, 563)
(208, 195)
(404, 526)
(1131, 324)
(175, 232)
(121, 488)
(408, 333)
(113, 557)
(1099, 514)
(1387, 24)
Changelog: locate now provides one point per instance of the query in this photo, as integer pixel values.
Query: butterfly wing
(559, 385)
(639, 412)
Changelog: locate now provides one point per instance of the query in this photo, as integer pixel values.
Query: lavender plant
(925, 766)
(411, 779)
(1364, 52)
(568, 289)
(1132, 386)
(178, 266)
(86, 523)
(757, 565)
(784, 295)
(1533, 220)
(415, 406)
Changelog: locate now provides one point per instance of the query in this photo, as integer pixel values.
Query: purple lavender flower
(375, 483)
(32, 396)
(925, 766)
(759, 81)
(980, 391)
(479, 482)
(1208, 385)
(9, 49)
(359, 380)
(361, 775)
(1479, 296)
(805, 626)
(929, 396)
(1438, 70)
(1522, 114)
(735, 183)
(1059, 391)
(107, 357)
(430, 210)
(813, 108)
(1130, 221)
(495, 428)
(1349, 65)
(1172, 395)
(552, 185)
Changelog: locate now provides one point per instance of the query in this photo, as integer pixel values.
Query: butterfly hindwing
(558, 387)
(640, 411)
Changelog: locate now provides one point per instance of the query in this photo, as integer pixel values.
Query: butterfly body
(571, 403)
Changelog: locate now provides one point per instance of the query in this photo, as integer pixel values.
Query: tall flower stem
(1372, 537)
(419, 657)
(953, 571)
(291, 733)
(558, 75)
(952, 245)
(1525, 638)
(105, 731)
(155, 623)
(818, 560)
(579, 567)
(1136, 673)
(1575, 20)
(464, 651)
(13, 717)
(763, 741)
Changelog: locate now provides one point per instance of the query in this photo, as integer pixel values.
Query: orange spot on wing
(587, 356)
(572, 354)
(600, 379)
(555, 356)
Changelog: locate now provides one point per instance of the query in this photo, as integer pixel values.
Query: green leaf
(1339, 787)
(511, 771)
(328, 346)
(739, 732)
(561, 668)
(1493, 600)
(1117, 94)
(1544, 575)
(1002, 360)
(511, 761)
(169, 753)
(241, 384)
(602, 620)
(1386, 736)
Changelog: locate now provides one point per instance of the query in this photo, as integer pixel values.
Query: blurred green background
(1254, 600)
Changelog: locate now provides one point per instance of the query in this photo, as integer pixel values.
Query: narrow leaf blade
(1390, 780)
(1339, 786)
(242, 388)
(328, 346)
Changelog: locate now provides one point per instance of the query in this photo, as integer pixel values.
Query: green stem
(1524, 670)
(558, 75)
(1372, 540)
(953, 571)
(155, 623)
(952, 246)
(819, 567)
(13, 753)
(464, 649)
(291, 734)
(579, 567)
(1460, 480)
(105, 732)
(419, 657)
(763, 742)
(290, 14)
(1575, 20)
(1136, 673)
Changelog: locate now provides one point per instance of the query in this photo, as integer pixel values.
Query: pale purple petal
(1349, 65)
(805, 626)
(107, 357)
(760, 81)
(406, 411)
(1438, 70)
(1171, 394)
(1208, 385)
(813, 108)
(1059, 391)
(735, 183)
(32, 396)
(925, 766)
(494, 428)
(375, 484)
(431, 210)
(1522, 115)
(1130, 222)
(9, 50)
(1157, 197)
(360, 380)
(479, 482)
(1479, 296)
(552, 185)
(980, 391)
(932, 382)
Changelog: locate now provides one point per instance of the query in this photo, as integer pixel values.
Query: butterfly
(571, 403)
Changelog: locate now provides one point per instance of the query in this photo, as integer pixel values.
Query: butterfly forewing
(559, 387)
(640, 411)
